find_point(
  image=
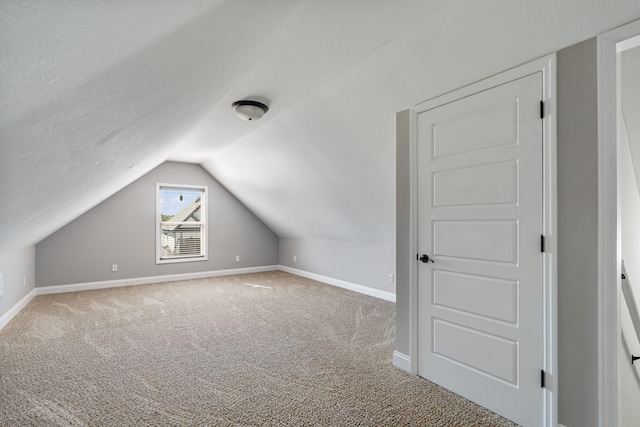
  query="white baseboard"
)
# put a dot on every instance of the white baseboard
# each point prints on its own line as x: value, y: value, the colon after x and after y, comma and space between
x: 46, y: 290
x: 388, y: 296
x: 13, y: 311
x: 402, y: 361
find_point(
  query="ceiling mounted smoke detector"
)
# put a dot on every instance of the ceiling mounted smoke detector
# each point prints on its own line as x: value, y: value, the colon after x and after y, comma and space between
x: 249, y: 110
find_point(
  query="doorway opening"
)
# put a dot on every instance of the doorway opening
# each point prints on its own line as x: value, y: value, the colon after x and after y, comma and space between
x: 614, y: 156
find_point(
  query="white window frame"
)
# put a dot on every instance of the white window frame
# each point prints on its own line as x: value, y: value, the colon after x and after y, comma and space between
x: 203, y: 220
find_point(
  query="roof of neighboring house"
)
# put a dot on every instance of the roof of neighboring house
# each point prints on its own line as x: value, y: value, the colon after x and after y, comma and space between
x: 187, y: 214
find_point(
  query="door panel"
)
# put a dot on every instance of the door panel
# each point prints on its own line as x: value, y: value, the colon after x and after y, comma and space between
x: 476, y: 295
x: 480, y: 305
x: 490, y: 355
x: 488, y: 184
x: 449, y: 136
x: 495, y: 241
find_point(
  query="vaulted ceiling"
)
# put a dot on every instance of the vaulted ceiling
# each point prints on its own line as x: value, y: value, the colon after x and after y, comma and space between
x: 95, y: 94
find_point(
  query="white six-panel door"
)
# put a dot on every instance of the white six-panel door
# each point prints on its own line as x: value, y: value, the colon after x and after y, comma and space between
x: 480, y: 211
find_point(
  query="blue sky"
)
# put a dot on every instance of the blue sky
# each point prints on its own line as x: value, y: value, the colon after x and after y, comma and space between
x: 170, y: 199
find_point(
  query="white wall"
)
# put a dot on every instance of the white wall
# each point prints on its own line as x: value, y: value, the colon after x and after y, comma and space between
x: 630, y: 236
x: 18, y: 270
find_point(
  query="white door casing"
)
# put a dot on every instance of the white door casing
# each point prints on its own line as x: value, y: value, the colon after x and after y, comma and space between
x: 481, y: 304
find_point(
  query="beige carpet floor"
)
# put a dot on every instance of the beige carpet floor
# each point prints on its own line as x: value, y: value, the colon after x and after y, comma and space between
x: 247, y: 350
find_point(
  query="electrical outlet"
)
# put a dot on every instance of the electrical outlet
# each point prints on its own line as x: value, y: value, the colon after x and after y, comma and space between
x: 392, y: 278
x: 237, y: 258
x: 1, y: 285
x: 295, y: 258
x: 114, y: 267
x: 24, y: 280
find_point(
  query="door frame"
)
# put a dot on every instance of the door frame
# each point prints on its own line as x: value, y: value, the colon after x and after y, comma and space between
x: 609, y: 46
x: 546, y: 65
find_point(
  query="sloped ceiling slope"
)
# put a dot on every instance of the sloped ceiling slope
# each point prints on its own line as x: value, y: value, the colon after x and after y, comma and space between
x: 95, y: 94
x: 324, y: 168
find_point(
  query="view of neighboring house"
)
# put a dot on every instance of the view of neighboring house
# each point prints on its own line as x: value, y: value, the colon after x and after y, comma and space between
x: 182, y: 232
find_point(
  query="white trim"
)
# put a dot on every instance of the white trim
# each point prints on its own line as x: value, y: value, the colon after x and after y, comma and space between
x: 550, y: 227
x: 413, y: 235
x: 512, y: 74
x: 366, y: 290
x: 629, y: 43
x: 13, y: 311
x: 546, y: 65
x: 105, y: 284
x: 46, y: 290
x: 401, y: 361
x: 609, y: 45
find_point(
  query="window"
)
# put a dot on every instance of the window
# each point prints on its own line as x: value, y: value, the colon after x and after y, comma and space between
x: 181, y: 221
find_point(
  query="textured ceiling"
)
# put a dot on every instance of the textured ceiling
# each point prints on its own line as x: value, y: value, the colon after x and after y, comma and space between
x: 94, y: 94
x: 630, y: 100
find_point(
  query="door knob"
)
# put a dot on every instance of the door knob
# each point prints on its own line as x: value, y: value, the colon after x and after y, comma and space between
x: 425, y: 258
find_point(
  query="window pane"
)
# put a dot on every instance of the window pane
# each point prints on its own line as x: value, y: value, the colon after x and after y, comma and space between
x: 181, y: 240
x: 182, y: 227
x: 180, y: 205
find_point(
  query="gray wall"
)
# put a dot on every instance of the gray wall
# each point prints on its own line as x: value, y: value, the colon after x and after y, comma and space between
x: 403, y: 232
x: 15, y: 266
x: 121, y: 230
x: 366, y: 265
x: 578, y: 235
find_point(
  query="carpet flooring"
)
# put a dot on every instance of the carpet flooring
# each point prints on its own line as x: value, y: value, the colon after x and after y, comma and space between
x: 247, y: 350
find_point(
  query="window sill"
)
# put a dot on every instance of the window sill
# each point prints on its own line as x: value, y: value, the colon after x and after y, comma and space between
x: 178, y: 260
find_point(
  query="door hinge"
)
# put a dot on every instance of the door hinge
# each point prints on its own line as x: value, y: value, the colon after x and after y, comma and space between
x: 542, y: 243
x: 542, y: 109
x: 623, y: 276
x: 542, y: 379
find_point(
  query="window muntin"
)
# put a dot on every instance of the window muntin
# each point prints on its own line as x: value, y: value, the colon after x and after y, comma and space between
x: 181, y: 223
